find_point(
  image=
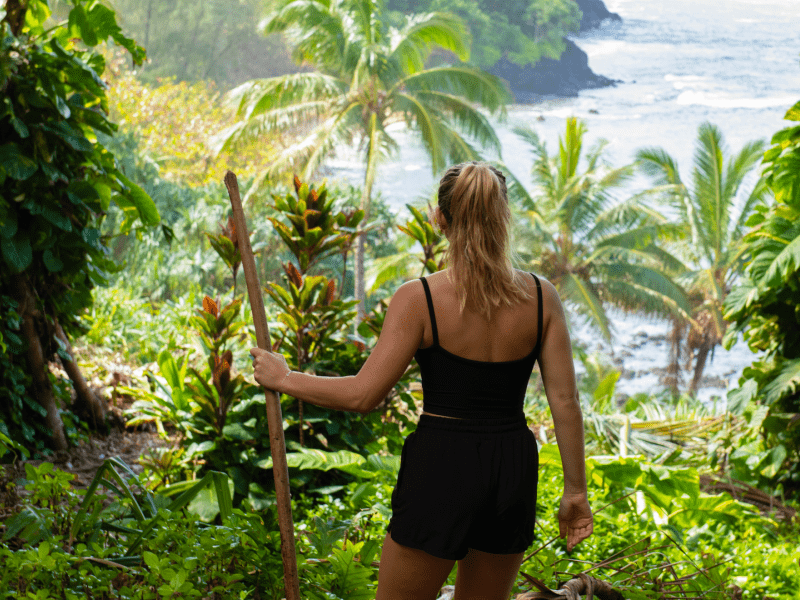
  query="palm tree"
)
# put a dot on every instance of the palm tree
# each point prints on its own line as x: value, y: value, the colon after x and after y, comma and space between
x: 708, y: 232
x: 368, y: 76
x: 597, y: 251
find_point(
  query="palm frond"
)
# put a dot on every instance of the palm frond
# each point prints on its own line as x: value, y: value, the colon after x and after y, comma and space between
x: 639, y: 287
x: 657, y: 164
x: 262, y: 95
x: 569, y: 149
x: 464, y: 116
x: 308, y: 153
x: 464, y: 81
x: 324, y: 43
x: 396, y: 266
x: 274, y: 120
x: 623, y: 216
x: 335, y: 131
x: 426, y: 122
x: 740, y: 165
x: 517, y: 193
x: 541, y: 169
x: 708, y: 188
x: 411, y: 45
x: 614, y: 177
x: 580, y: 294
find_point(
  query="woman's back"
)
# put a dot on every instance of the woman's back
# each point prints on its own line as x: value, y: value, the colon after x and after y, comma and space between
x: 510, y: 335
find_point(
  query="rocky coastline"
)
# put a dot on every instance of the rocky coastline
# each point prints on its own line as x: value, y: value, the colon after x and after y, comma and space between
x: 560, y: 78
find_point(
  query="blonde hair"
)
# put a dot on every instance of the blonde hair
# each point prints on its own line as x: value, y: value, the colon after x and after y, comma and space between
x: 473, y: 198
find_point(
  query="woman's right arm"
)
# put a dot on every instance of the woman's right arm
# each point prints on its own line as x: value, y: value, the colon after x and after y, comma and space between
x: 558, y: 376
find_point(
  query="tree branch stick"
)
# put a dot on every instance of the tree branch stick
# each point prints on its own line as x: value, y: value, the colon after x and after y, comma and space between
x: 277, y: 443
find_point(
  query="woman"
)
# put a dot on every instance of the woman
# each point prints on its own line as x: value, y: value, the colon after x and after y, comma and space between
x: 466, y: 490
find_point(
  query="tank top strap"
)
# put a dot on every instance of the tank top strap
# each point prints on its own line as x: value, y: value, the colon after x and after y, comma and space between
x: 430, y: 310
x: 540, y: 316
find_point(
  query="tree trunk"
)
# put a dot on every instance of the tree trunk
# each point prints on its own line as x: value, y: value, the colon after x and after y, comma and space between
x: 369, y: 179
x: 42, y: 389
x: 699, y: 366
x: 359, y: 275
x: 86, y: 402
x: 673, y: 376
x: 15, y: 15
x: 147, y: 25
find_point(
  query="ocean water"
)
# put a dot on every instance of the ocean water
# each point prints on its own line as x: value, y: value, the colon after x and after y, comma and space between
x: 735, y: 63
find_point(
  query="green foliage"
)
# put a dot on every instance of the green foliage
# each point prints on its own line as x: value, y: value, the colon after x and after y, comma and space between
x: 139, y: 545
x: 596, y: 250
x: 56, y: 183
x: 764, y: 308
x: 20, y: 416
x: 136, y: 514
x: 660, y: 535
x: 314, y: 231
x: 220, y: 36
x: 171, y: 122
x: 707, y: 267
x: 524, y: 31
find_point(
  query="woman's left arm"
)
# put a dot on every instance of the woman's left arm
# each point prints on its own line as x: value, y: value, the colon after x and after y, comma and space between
x: 400, y: 337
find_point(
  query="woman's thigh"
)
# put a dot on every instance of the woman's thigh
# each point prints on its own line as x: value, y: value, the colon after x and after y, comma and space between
x: 410, y: 574
x: 485, y: 576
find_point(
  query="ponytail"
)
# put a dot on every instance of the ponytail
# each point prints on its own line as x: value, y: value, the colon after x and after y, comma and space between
x: 473, y: 199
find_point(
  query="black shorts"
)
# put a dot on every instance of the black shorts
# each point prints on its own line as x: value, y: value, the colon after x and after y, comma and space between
x: 468, y: 483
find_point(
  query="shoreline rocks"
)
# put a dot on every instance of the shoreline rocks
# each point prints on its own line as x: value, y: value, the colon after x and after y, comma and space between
x: 594, y: 13
x: 564, y: 77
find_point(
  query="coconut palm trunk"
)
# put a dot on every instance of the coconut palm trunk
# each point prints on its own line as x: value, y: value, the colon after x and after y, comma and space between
x: 366, y: 197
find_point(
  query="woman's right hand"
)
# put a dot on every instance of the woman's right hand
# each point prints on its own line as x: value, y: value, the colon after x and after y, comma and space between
x: 575, y: 520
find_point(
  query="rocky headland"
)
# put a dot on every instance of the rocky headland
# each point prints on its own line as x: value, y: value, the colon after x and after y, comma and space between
x: 563, y: 77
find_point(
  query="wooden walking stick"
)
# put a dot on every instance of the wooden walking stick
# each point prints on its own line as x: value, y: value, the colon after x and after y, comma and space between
x: 277, y: 443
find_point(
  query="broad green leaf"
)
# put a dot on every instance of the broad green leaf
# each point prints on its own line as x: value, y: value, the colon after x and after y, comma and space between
x: 144, y: 204
x: 787, y: 382
x: 72, y: 136
x: 17, y: 252
x: 15, y: 164
x: 78, y: 22
x: 151, y: 560
x: 793, y: 114
x: 8, y: 223
x: 52, y: 262
x: 50, y: 213
x: 237, y: 431
x: 212, y: 498
x: 785, y: 264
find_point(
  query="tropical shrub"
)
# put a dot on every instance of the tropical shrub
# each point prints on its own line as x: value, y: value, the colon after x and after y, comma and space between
x: 172, y: 122
x: 219, y: 415
x: 764, y: 308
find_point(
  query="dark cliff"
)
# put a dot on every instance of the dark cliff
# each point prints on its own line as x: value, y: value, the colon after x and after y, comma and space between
x: 564, y: 77
x: 594, y: 13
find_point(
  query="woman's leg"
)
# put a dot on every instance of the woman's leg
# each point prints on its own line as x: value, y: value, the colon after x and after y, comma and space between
x: 410, y: 574
x: 485, y: 576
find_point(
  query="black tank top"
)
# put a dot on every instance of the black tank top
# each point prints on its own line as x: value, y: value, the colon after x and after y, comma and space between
x: 453, y: 386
